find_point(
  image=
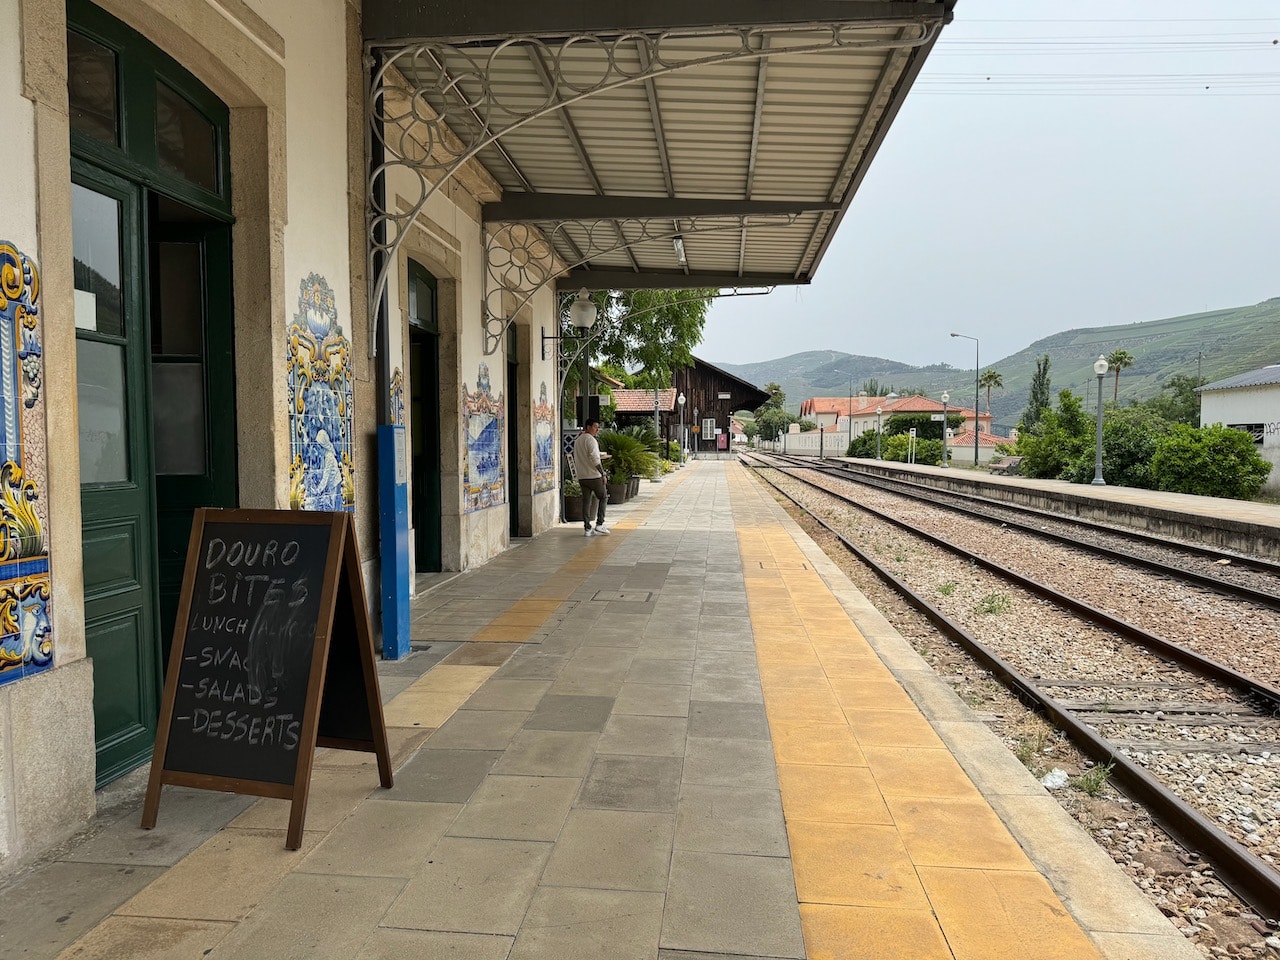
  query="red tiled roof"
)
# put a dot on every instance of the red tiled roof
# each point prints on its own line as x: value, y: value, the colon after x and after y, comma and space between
x: 641, y: 401
x: 964, y: 438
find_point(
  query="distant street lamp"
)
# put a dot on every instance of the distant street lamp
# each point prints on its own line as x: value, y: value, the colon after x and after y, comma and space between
x: 879, y: 410
x: 946, y: 397
x: 976, y: 421
x: 683, y: 444
x: 1099, y: 368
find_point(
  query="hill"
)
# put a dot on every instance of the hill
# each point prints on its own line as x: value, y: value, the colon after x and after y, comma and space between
x: 1218, y: 343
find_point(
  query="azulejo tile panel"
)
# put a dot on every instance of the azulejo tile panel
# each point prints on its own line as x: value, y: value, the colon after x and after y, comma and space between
x: 26, y: 635
x: 321, y: 411
x: 397, y: 397
x: 544, y: 442
x: 483, y: 421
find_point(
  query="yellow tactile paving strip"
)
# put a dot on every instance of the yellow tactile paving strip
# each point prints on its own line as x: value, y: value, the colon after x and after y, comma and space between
x: 894, y: 850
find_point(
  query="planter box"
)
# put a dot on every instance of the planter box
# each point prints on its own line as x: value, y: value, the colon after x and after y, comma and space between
x: 617, y: 492
x: 633, y: 487
x: 573, y: 508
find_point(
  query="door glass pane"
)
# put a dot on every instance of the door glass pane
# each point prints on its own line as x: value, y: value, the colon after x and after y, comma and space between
x: 95, y: 244
x: 186, y: 143
x: 104, y: 437
x: 91, y: 89
x: 177, y: 324
x: 177, y: 398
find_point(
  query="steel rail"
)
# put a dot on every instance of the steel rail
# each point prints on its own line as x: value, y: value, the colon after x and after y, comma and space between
x: 1259, y: 564
x: 1166, y: 649
x: 916, y: 492
x: 1253, y: 880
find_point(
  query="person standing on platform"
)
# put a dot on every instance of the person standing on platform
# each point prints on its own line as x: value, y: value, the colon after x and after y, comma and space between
x: 589, y: 462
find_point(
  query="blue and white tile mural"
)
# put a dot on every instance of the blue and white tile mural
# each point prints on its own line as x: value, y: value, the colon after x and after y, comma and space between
x: 321, y: 411
x: 483, y: 422
x: 544, y: 443
x: 26, y: 636
x: 397, y: 397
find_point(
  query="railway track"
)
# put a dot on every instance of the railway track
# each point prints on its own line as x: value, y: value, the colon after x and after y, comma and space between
x: 1151, y: 709
x: 1256, y: 579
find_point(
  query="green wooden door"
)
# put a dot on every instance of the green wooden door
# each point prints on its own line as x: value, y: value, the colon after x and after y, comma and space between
x: 117, y: 508
x: 424, y: 413
x: 192, y: 383
x: 151, y: 212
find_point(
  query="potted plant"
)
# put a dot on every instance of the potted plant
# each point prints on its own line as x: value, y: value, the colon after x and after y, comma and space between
x: 619, y: 476
x: 572, y: 491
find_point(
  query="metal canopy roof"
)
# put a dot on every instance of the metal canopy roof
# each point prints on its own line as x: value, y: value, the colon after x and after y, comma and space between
x: 653, y: 145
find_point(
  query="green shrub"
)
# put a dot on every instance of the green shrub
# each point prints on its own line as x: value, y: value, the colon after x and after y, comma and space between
x: 927, y: 451
x: 645, y: 434
x: 863, y: 446
x: 1214, y: 461
x: 571, y: 488
x: 627, y: 455
x: 1129, y: 438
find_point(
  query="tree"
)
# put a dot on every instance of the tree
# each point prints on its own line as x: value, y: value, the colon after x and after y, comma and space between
x: 990, y: 378
x: 1119, y: 360
x: 1178, y: 400
x: 1038, y: 399
x: 777, y: 399
x: 773, y: 421
x: 650, y: 331
x: 1059, y: 438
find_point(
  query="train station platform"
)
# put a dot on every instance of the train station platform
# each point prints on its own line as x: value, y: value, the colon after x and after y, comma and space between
x: 690, y: 740
x: 1243, y: 526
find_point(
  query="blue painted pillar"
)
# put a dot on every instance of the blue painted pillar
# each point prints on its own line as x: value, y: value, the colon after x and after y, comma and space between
x: 393, y: 507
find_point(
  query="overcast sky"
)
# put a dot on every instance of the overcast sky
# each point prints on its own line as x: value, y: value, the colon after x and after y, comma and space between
x: 1062, y: 192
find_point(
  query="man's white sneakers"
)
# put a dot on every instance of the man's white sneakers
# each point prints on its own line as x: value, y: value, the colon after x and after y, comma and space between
x: 602, y: 531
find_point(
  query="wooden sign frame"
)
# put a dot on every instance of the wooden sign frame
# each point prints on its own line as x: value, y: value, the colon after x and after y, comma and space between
x: 341, y: 583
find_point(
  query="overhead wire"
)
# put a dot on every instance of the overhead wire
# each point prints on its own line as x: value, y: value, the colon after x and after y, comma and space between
x: 1094, y: 83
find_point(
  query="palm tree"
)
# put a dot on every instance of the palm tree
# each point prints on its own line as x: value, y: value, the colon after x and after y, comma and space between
x: 990, y: 378
x: 1119, y: 360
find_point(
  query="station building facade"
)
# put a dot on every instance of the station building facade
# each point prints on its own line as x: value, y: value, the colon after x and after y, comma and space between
x: 185, y: 324
x: 226, y: 258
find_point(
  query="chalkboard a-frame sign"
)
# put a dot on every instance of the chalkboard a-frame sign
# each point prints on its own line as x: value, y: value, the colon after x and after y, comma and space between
x: 272, y: 656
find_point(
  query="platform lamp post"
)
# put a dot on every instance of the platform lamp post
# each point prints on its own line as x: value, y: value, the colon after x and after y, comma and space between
x: 680, y: 402
x: 879, y: 411
x: 945, y: 398
x: 976, y: 365
x: 1099, y: 368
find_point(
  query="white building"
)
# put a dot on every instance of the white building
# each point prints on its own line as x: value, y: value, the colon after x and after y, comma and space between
x: 1249, y: 402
